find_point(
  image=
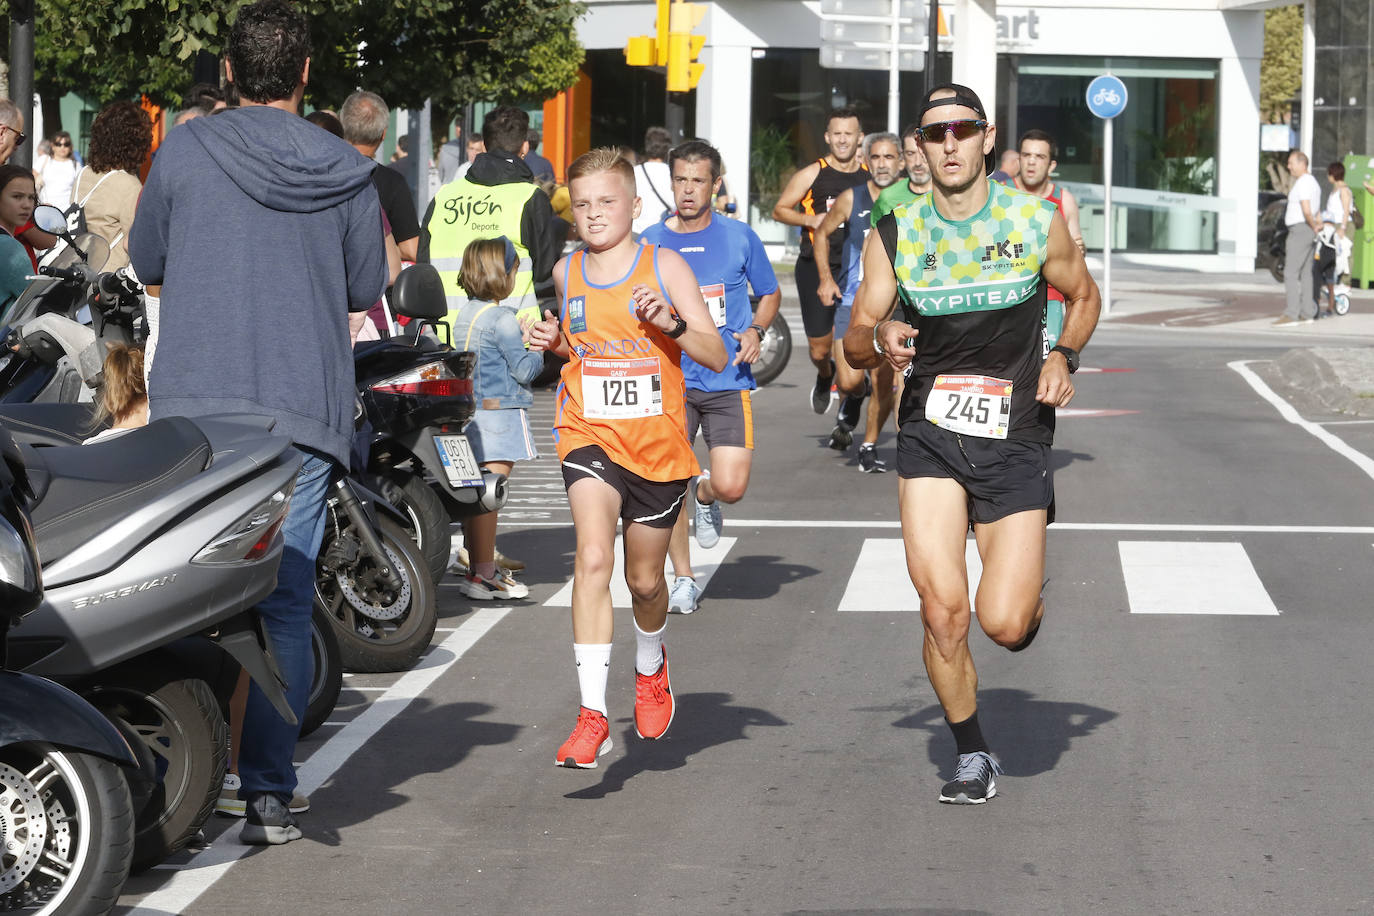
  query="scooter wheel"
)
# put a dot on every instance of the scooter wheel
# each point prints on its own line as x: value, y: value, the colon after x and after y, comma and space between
x: 774, y: 351
x: 379, y: 629
x: 1342, y: 303
x: 427, y: 519
x: 76, y: 807
x: 328, y: 679
x: 184, y: 735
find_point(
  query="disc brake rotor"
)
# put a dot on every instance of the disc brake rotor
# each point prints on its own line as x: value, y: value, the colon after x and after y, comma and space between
x: 23, y: 828
x: 370, y: 602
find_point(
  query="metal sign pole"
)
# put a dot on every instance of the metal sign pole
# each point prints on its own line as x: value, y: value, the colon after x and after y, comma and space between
x: 1107, y: 215
x: 894, y: 68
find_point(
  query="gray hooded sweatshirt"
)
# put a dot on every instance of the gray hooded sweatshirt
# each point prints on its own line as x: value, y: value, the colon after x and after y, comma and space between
x: 264, y: 232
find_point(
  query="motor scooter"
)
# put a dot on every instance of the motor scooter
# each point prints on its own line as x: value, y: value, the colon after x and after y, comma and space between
x: 67, y: 821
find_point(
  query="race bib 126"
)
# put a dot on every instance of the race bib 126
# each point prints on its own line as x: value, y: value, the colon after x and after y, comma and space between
x: 621, y: 389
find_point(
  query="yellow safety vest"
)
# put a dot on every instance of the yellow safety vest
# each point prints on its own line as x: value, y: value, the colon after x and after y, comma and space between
x: 465, y: 211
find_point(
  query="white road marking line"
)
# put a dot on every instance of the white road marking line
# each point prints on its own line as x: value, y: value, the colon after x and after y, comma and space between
x: 704, y: 564
x: 880, y: 582
x: 1343, y: 422
x: 198, y: 875
x: 1360, y: 459
x: 822, y: 524
x: 1191, y: 577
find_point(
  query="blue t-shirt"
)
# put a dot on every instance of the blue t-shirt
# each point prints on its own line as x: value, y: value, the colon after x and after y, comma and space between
x: 727, y: 258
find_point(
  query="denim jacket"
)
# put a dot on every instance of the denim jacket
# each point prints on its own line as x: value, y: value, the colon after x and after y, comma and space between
x: 504, y: 367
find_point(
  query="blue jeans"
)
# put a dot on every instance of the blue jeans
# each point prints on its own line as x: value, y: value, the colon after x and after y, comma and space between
x: 268, y: 745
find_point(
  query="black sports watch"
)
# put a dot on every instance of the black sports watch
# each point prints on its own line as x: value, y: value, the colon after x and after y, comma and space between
x: 756, y: 329
x: 1070, y: 357
x: 681, y: 328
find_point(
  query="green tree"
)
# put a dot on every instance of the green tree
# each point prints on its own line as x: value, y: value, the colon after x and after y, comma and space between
x: 1281, y: 66
x: 453, y: 51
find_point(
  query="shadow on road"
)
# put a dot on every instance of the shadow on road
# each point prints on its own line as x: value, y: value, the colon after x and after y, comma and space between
x: 1027, y: 735
x: 702, y: 720
x: 457, y: 726
x: 1061, y: 458
x: 755, y: 577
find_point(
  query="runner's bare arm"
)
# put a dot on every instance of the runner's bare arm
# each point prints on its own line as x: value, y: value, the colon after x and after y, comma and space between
x: 785, y: 211
x: 547, y: 335
x: 872, y: 304
x: 750, y: 340
x: 829, y: 290
x: 701, y: 340
x: 1067, y: 272
x: 1070, y: 209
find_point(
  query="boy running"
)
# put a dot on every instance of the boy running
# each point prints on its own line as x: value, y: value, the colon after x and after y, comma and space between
x: 727, y: 258
x: 628, y: 313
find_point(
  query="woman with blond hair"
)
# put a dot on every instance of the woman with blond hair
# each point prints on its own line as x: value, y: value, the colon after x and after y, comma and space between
x: 123, y: 400
x: 500, y: 431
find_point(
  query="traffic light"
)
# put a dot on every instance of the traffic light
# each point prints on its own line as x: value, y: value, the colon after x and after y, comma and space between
x: 683, y: 47
x: 651, y: 50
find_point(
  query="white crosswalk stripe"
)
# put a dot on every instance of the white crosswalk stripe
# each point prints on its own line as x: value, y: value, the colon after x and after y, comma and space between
x: 704, y: 564
x: 1160, y: 577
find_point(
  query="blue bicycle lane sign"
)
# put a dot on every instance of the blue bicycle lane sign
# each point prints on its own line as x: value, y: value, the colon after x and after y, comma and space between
x: 1106, y: 96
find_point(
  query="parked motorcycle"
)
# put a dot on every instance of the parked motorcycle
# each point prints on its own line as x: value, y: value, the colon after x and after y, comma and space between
x: 66, y: 816
x: 164, y: 534
x: 416, y: 395
x: 774, y: 350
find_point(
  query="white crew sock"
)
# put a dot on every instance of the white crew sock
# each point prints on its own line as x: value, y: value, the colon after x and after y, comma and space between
x: 649, y: 651
x: 593, y: 668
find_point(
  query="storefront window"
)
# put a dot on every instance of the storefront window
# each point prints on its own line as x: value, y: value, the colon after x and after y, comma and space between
x: 1164, y: 144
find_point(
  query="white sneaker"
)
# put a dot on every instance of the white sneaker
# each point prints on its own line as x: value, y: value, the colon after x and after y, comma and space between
x: 684, y: 595
x: 500, y: 587
x: 708, y: 520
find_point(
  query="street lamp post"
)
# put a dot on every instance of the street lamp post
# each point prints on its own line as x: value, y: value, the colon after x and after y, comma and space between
x: 21, y: 72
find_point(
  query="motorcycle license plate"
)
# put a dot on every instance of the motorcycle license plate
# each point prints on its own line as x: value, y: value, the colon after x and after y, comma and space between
x: 459, y: 463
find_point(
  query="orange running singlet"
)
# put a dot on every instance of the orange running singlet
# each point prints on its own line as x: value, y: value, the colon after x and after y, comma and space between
x: 622, y: 388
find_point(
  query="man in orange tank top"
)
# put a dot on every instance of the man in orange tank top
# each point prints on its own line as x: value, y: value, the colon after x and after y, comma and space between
x: 628, y: 313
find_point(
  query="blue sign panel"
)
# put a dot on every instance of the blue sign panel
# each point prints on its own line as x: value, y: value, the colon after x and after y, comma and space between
x: 1106, y: 96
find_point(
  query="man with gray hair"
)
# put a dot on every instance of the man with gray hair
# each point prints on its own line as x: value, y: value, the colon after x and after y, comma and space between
x: 1303, y: 220
x: 11, y: 129
x: 365, y: 118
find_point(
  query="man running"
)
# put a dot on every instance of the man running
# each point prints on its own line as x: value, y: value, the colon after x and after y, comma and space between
x: 1038, y: 162
x: 728, y: 259
x: 628, y: 313
x: 969, y: 263
x: 917, y: 178
x: 851, y: 210
x: 814, y: 189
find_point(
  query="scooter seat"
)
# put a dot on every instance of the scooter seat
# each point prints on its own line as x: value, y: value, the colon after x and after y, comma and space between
x: 83, y: 490
x: 49, y: 424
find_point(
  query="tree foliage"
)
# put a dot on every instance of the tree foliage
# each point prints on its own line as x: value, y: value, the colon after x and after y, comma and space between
x: 1281, y: 66
x: 453, y: 51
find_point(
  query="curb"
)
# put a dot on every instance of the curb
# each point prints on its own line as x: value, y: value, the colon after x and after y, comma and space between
x: 1310, y: 377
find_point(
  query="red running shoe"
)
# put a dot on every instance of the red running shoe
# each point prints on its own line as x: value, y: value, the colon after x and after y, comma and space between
x: 654, y: 706
x: 590, y: 739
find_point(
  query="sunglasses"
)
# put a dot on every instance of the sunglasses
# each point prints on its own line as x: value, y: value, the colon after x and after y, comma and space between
x: 62, y: 143
x: 19, y: 135
x: 962, y: 130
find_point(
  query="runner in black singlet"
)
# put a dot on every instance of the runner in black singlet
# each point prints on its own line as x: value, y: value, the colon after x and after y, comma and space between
x: 814, y: 188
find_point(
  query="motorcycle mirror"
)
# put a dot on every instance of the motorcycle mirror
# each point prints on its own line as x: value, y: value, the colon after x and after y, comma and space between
x: 419, y: 293
x: 51, y: 220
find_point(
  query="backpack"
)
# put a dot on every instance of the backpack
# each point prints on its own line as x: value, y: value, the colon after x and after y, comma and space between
x: 76, y: 213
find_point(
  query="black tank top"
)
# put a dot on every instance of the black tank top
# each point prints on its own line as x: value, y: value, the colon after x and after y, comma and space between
x: 830, y: 183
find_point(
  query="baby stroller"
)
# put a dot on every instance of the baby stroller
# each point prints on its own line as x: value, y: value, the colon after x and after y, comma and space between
x: 1331, y: 254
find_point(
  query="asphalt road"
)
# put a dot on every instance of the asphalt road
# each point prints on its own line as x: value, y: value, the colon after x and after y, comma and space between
x: 1188, y: 734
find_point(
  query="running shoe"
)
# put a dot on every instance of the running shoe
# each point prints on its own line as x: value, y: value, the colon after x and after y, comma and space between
x: 500, y: 587
x: 654, y: 706
x: 841, y: 437
x: 590, y: 739
x: 269, y: 823
x: 461, y: 561
x: 683, y: 596
x: 973, y: 782
x: 709, y: 521
x: 869, y: 462
x: 233, y: 803
x: 820, y: 392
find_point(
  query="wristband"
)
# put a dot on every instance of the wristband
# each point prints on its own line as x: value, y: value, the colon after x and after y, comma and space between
x: 877, y: 346
x: 678, y: 330
x: 757, y: 330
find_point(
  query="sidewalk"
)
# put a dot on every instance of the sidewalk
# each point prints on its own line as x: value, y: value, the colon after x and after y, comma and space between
x: 1338, y: 377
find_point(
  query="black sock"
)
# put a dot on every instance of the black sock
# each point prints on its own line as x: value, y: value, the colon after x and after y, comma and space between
x: 967, y: 735
x: 1027, y: 639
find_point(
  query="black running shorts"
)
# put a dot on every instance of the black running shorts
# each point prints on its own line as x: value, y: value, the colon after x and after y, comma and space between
x: 647, y: 502
x: 818, y: 320
x: 725, y: 417
x: 1000, y: 476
